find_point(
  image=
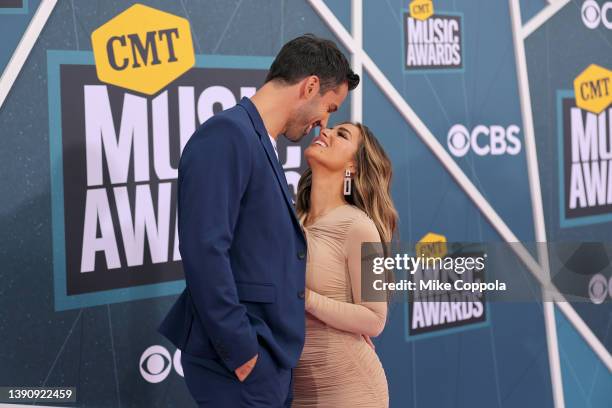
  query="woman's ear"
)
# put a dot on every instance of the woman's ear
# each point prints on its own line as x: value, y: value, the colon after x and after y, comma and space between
x: 352, y: 168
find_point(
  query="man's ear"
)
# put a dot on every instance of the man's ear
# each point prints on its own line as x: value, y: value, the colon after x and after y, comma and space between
x: 310, y: 86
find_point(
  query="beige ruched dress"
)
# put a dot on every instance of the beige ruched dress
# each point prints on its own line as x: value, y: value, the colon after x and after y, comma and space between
x: 337, y: 367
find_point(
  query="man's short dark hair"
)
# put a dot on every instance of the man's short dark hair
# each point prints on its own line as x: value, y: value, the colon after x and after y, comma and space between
x: 310, y: 55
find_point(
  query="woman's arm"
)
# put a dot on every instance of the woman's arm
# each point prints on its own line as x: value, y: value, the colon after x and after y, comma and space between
x: 366, y: 318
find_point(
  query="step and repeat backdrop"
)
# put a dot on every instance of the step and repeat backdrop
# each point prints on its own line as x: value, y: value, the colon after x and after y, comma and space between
x: 93, y: 126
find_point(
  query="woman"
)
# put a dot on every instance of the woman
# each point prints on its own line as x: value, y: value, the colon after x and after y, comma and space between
x: 343, y: 200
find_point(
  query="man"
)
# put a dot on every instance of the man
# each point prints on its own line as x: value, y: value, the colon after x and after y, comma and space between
x: 240, y: 321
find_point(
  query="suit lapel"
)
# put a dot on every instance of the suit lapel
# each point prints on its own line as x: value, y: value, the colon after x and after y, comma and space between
x: 264, y: 138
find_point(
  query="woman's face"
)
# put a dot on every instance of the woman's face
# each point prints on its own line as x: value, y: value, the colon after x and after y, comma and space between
x: 334, y: 149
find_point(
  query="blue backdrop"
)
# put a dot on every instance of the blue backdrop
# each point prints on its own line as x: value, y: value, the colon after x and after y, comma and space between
x: 104, y: 342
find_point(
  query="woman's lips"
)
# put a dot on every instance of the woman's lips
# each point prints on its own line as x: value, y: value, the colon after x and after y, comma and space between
x: 318, y: 141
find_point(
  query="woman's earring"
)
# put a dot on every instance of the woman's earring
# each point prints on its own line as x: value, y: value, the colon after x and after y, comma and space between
x: 347, y: 183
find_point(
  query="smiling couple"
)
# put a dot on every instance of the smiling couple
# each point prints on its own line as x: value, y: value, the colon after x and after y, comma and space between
x: 272, y: 314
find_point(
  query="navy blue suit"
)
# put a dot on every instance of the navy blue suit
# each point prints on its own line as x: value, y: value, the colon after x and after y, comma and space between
x: 244, y: 256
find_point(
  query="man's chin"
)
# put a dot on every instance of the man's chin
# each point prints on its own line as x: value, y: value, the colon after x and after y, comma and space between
x: 295, y: 137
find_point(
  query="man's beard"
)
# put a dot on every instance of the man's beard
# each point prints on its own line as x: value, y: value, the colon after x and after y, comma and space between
x: 297, y: 133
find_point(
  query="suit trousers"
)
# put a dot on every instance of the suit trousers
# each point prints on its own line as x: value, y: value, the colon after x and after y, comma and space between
x: 212, y: 385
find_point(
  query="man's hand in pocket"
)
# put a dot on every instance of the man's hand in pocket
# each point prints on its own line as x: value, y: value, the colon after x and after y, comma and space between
x: 244, y: 370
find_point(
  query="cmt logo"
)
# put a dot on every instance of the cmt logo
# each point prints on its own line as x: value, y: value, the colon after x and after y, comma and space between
x: 484, y: 140
x: 593, y: 14
x: 156, y: 363
x: 593, y: 88
x: 431, y: 245
x: 143, y: 49
x: 421, y: 9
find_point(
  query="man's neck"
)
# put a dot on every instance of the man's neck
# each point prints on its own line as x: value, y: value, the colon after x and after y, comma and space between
x: 270, y: 101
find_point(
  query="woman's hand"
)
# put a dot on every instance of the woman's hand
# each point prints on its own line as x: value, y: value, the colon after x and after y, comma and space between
x: 307, y: 299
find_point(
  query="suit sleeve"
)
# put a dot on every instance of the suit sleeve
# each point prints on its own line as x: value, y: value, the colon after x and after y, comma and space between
x: 214, y: 171
x: 359, y: 317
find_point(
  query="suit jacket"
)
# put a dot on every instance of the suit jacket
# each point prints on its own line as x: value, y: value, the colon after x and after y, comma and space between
x: 242, y: 247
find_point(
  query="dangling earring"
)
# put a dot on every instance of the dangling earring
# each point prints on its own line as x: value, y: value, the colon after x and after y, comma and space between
x: 347, y: 183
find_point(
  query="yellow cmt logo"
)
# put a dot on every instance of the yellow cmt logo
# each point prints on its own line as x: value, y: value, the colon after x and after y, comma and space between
x: 143, y: 49
x: 593, y: 88
x: 421, y: 9
x: 431, y: 245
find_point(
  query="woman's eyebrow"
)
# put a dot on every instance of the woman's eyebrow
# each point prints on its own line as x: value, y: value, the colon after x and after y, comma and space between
x: 346, y: 130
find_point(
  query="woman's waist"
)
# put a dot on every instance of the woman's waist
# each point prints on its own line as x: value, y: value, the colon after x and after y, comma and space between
x: 325, y: 343
x: 318, y: 328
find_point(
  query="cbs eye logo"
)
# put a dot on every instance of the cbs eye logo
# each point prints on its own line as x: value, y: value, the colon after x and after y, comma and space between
x: 593, y: 14
x: 156, y: 363
x: 484, y: 140
x: 599, y: 288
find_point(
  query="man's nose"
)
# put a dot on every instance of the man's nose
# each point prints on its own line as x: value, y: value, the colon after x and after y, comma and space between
x: 324, y: 122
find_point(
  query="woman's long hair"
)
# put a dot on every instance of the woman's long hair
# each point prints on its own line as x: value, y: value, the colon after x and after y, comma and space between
x: 371, y: 190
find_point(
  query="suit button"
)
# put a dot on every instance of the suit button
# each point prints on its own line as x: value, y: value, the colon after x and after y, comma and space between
x: 301, y: 294
x: 301, y: 255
